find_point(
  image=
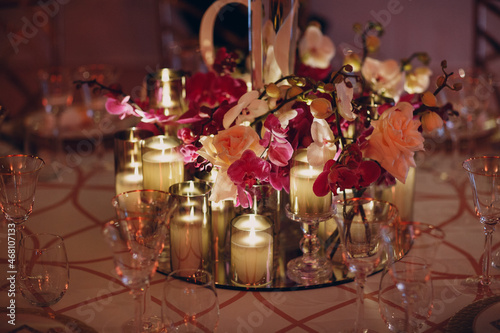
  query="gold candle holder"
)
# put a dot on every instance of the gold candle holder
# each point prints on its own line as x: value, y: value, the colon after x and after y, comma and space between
x: 251, y: 250
x: 128, y: 163
x: 162, y: 163
x: 191, y: 227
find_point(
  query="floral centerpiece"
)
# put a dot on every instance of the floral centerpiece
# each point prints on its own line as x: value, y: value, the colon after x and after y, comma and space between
x: 362, y: 123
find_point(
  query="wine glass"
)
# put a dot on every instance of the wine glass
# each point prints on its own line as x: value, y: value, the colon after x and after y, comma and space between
x: 18, y: 179
x: 361, y: 223
x: 144, y: 213
x: 406, y: 291
x: 43, y: 269
x: 484, y: 177
x: 189, y: 301
x: 310, y: 210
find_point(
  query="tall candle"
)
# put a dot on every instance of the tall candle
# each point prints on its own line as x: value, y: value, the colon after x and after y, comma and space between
x: 186, y: 241
x: 128, y: 181
x: 251, y: 250
x: 190, y: 226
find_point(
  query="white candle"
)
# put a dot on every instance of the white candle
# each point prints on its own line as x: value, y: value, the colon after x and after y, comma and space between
x: 302, y: 197
x: 187, y: 240
x: 251, y: 250
x: 128, y: 181
x: 161, y: 169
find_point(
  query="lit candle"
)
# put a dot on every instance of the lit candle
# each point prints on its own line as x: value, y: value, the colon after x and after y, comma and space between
x: 162, y: 166
x: 302, y: 197
x: 190, y: 227
x: 128, y: 181
x: 251, y: 250
x: 186, y: 240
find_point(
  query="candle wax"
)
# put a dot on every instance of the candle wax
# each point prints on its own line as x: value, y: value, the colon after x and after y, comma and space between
x: 161, y: 170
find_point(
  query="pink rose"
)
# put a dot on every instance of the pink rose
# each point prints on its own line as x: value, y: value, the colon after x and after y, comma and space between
x: 228, y: 145
x: 394, y: 140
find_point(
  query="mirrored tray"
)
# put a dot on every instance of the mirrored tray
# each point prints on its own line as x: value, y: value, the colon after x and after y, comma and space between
x: 288, y: 248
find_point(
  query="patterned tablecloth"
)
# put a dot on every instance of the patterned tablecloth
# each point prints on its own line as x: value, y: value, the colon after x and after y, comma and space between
x: 77, y: 203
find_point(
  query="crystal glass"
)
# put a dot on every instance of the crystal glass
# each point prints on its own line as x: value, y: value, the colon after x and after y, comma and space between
x: 43, y: 272
x: 137, y: 238
x: 309, y: 210
x: 361, y: 223
x: 189, y: 302
x: 18, y: 179
x: 484, y: 177
x: 406, y: 290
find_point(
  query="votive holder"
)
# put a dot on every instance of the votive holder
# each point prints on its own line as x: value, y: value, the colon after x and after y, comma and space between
x: 191, y: 227
x: 162, y: 163
x: 251, y: 250
x: 127, y: 155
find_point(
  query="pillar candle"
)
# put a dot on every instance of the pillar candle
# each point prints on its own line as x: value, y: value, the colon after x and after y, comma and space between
x: 251, y: 250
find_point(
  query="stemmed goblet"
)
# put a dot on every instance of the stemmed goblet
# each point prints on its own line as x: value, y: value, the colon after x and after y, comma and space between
x: 137, y: 238
x: 361, y: 223
x: 484, y: 177
x: 309, y: 210
x: 406, y: 290
x: 18, y: 180
x: 43, y: 272
x: 189, y: 301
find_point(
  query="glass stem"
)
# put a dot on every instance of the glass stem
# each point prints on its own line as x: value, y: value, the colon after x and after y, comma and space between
x: 360, y: 302
x: 309, y: 244
x: 139, y: 296
x: 488, y: 233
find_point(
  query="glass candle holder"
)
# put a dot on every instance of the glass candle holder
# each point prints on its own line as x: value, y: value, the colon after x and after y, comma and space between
x: 303, y: 201
x: 162, y: 163
x: 251, y: 250
x: 166, y: 89
x: 191, y: 227
x: 128, y: 163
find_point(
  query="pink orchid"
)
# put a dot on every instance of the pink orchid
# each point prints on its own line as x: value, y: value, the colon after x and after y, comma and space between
x: 120, y: 107
x: 245, y: 172
x: 344, y: 98
x: 280, y: 150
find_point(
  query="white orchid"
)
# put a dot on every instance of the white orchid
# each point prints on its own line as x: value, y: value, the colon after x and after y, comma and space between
x: 315, y: 49
x: 418, y: 80
x: 385, y: 77
x: 344, y: 98
x: 323, y: 148
x: 248, y: 108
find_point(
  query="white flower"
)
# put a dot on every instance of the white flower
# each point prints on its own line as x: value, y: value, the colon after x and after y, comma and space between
x: 385, y: 77
x: 323, y: 148
x: 418, y: 80
x: 248, y: 108
x: 344, y: 98
x: 315, y: 49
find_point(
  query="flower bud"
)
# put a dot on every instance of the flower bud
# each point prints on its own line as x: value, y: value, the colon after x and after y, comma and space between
x: 457, y: 86
x: 372, y: 43
x: 431, y: 121
x: 273, y: 91
x: 329, y: 87
x: 429, y: 99
x: 293, y: 91
x: 321, y: 108
x: 440, y: 81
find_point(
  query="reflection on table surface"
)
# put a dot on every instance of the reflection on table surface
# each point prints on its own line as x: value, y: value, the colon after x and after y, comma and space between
x: 77, y: 203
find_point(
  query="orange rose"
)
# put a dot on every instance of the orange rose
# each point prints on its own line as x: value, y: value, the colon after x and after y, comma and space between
x: 394, y: 140
x: 228, y: 145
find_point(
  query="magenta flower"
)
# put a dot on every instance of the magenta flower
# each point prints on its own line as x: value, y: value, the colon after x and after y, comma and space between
x: 245, y: 172
x: 280, y: 150
x: 120, y: 107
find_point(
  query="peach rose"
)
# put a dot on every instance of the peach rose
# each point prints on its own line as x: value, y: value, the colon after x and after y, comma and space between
x: 228, y: 145
x: 394, y: 140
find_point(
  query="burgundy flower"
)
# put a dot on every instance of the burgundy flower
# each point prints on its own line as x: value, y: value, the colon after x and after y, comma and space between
x: 245, y: 172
